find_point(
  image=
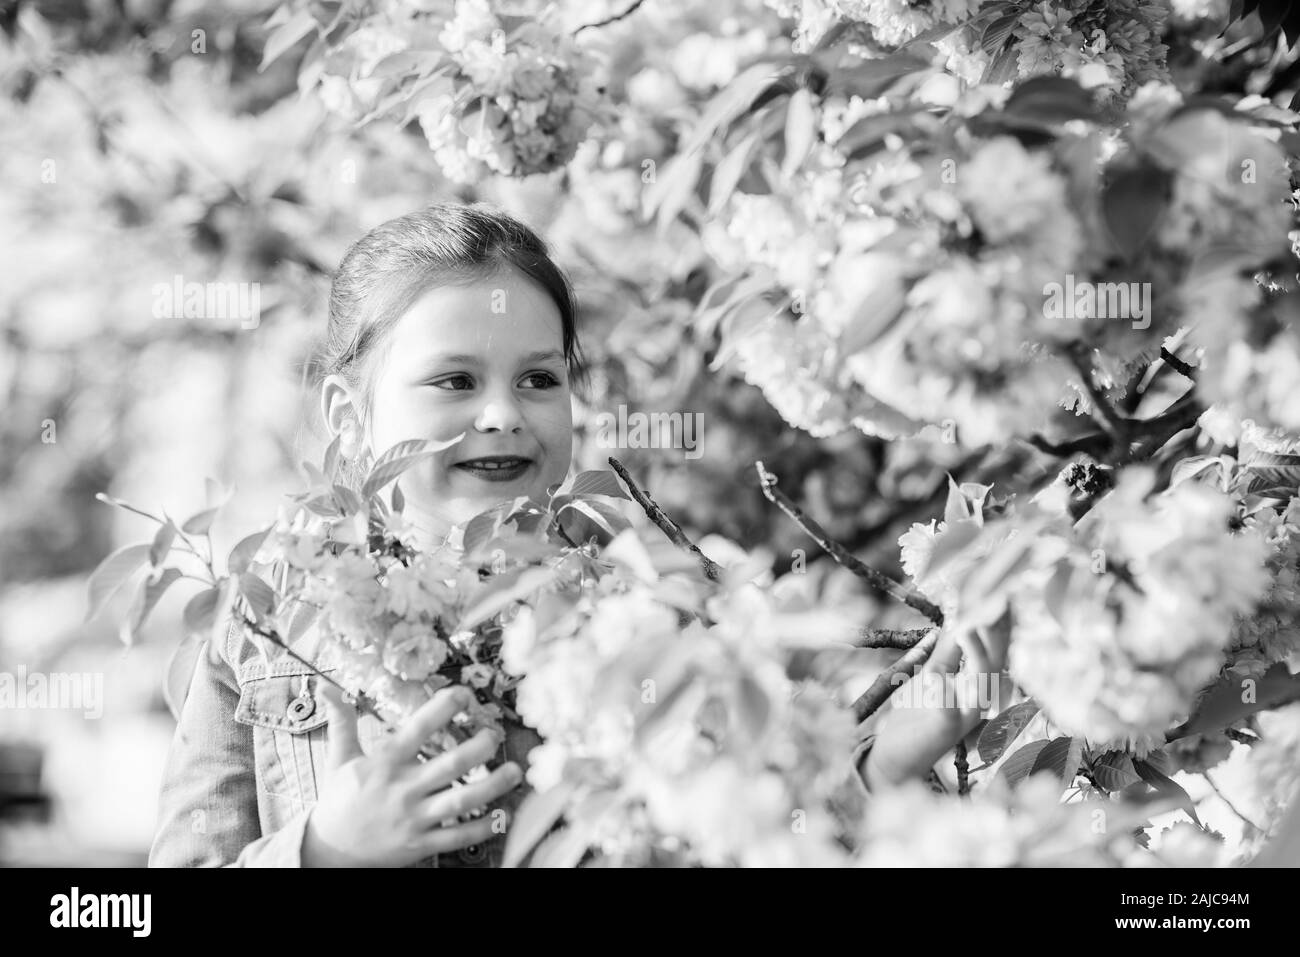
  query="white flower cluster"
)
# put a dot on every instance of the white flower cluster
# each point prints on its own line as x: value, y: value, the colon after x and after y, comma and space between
x: 1151, y: 592
x: 692, y: 738
x: 521, y: 102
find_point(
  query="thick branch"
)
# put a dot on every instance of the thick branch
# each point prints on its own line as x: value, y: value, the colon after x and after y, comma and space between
x: 666, y: 524
x: 1177, y: 364
x: 891, y: 638
x: 880, y: 690
x: 767, y: 481
x: 963, y: 768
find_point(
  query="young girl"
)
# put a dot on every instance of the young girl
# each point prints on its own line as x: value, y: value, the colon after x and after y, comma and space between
x: 451, y: 321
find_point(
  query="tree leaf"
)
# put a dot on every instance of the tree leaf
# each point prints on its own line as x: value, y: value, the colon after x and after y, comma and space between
x: 870, y: 78
x: 110, y: 574
x: 1114, y: 771
x: 1050, y: 100
x: 1133, y: 203
x: 737, y: 97
x: 200, y: 522
x: 200, y: 611
x: 754, y: 706
x: 598, y: 482
x: 502, y: 592
x: 952, y: 542
x: 1167, y: 787
x: 1003, y: 729
x: 672, y: 188
x: 241, y: 556
x: 800, y: 130
x: 1021, y: 764
x: 146, y: 597
x: 728, y: 172
x: 1222, y: 705
x: 535, y: 817
x: 260, y: 596
x: 1061, y: 756
x: 286, y: 37
x: 180, y: 673
x: 997, y: 32
x: 162, y: 543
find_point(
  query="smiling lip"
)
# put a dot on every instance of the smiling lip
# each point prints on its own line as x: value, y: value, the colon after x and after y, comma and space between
x: 496, y: 468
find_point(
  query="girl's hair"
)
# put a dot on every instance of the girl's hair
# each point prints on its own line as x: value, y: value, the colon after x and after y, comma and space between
x: 387, y: 270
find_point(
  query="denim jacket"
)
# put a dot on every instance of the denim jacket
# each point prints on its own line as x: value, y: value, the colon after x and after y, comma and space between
x: 248, y: 759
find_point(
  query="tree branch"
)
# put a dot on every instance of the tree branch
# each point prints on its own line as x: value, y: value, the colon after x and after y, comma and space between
x: 870, y: 700
x: 891, y: 638
x: 878, y: 580
x: 670, y: 528
x: 608, y: 20
x: 1177, y: 364
x: 963, y: 768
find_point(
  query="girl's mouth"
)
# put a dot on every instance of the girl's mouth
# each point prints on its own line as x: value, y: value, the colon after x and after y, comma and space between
x: 496, y: 468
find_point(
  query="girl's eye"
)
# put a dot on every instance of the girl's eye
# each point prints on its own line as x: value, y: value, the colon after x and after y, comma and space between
x: 455, y: 383
x: 541, y: 380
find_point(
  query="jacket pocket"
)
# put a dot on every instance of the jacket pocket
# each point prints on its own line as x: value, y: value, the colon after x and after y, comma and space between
x: 289, y: 725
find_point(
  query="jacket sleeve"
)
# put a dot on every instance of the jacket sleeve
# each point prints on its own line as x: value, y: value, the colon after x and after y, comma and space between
x: 208, y: 812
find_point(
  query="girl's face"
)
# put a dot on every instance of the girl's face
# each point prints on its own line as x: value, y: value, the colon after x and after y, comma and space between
x: 484, y: 359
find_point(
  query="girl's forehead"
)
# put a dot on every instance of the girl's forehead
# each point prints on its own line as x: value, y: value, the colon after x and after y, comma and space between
x: 498, y: 315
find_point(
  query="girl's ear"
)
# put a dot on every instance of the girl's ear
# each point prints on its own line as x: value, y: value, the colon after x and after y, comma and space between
x: 342, y: 415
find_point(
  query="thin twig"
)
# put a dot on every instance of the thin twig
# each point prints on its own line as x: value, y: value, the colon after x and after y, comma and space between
x: 963, y: 768
x: 670, y: 528
x: 767, y: 481
x: 875, y: 696
x: 608, y: 20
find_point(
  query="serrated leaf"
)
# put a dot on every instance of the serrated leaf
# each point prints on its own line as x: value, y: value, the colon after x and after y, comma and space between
x: 200, y: 611
x: 348, y: 501
x: 1114, y: 771
x: 1003, y: 729
x: 870, y: 78
x: 1167, y: 787
x: 110, y: 574
x: 241, y: 556
x: 597, y: 482
x: 331, y: 462
x: 146, y: 597
x: 1061, y: 757
x: 536, y: 815
x: 997, y: 32
x: 592, y: 511
x: 162, y: 543
x: 1019, y: 766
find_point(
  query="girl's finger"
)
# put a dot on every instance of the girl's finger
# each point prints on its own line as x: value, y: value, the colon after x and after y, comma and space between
x: 343, y: 743
x: 450, y: 803
x: 442, y: 840
x: 435, y: 713
x: 946, y: 655
x: 440, y: 771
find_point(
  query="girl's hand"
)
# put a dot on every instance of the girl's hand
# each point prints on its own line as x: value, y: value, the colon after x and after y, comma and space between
x: 386, y: 809
x: 911, y: 738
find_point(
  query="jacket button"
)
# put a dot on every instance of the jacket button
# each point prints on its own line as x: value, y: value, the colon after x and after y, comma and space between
x: 302, y: 707
x: 474, y: 854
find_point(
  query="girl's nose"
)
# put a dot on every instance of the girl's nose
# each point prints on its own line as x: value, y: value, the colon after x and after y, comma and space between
x: 499, y: 414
